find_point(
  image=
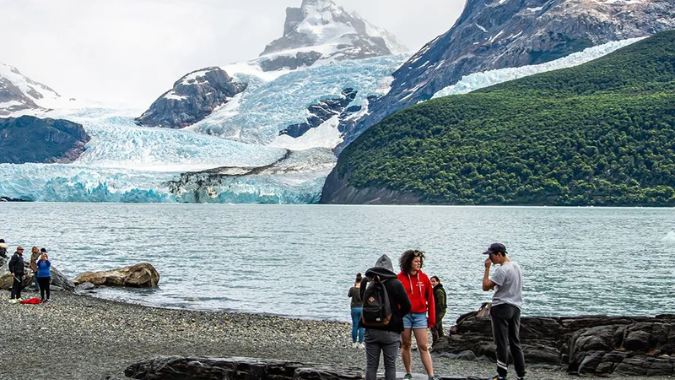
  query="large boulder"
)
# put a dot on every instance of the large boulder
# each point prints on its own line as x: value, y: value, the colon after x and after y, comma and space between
x: 587, y: 345
x: 142, y: 275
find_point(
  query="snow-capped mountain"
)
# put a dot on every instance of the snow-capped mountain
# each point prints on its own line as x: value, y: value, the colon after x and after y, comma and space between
x: 20, y: 93
x: 497, y: 34
x: 322, y: 30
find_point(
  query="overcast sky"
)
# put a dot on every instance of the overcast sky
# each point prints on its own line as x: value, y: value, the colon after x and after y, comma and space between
x: 133, y: 50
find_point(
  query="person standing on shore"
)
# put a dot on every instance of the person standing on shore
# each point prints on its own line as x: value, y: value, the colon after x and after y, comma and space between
x: 34, y: 256
x: 387, y: 338
x: 44, y: 275
x: 357, y: 308
x: 17, y: 272
x: 3, y: 248
x: 422, y: 314
x: 507, y: 300
x: 441, y: 306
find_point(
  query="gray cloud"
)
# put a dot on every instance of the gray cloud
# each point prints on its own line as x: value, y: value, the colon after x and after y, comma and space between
x: 133, y: 50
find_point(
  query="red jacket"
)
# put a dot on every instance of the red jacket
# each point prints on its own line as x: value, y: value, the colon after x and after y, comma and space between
x: 421, y: 294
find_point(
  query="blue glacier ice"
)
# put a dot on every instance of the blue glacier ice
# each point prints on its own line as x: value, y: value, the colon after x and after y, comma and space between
x: 266, y: 107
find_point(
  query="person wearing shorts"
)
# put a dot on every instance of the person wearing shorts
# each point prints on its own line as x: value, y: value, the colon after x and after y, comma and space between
x: 422, y: 313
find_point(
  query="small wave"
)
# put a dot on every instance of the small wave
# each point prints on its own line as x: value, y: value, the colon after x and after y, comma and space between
x: 670, y: 237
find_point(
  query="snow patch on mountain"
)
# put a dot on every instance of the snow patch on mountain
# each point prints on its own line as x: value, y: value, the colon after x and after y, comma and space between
x: 18, y: 92
x: 475, y: 81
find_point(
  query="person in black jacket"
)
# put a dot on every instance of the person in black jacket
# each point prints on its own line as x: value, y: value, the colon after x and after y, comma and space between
x: 385, y: 339
x: 17, y: 271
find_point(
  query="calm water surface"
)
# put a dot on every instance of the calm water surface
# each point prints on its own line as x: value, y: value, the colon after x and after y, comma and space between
x: 300, y: 260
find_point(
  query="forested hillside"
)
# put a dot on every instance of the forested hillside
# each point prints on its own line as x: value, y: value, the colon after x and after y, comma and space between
x: 602, y: 133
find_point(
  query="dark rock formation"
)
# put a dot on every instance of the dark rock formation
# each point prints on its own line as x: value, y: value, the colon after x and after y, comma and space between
x: 511, y: 33
x: 192, y: 98
x: 337, y: 190
x: 30, y: 139
x: 193, y: 368
x: 142, y: 275
x: 323, y: 111
x: 58, y: 279
x: 8, y: 199
x: 356, y: 43
x: 291, y: 62
x: 586, y: 345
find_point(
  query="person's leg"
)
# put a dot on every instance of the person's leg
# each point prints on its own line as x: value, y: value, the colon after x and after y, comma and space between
x: 356, y: 314
x: 390, y: 351
x: 422, y: 338
x: 361, y: 332
x: 514, y: 342
x: 500, y: 333
x: 373, y: 348
x: 406, y: 349
x: 439, y: 324
x: 36, y: 283
x: 17, y: 287
x: 48, y: 281
x: 434, y: 334
x: 42, y: 288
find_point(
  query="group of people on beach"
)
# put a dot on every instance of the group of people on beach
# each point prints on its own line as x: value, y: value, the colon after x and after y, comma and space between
x: 40, y: 267
x: 418, y: 302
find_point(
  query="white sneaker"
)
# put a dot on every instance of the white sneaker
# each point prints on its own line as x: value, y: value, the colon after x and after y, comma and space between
x: 355, y: 345
x: 361, y: 345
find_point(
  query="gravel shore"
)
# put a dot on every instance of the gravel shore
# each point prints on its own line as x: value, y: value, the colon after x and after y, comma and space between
x: 82, y: 337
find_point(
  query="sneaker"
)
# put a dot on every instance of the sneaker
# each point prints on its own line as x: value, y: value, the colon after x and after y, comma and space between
x: 433, y: 377
x: 355, y: 345
x: 361, y: 345
x: 497, y: 377
x: 13, y: 300
x: 407, y: 376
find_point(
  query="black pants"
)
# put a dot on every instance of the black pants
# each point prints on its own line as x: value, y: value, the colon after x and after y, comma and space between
x: 506, y: 331
x: 44, y: 286
x: 16, y: 287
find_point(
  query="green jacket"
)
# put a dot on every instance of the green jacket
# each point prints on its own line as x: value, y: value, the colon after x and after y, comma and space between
x: 441, y: 298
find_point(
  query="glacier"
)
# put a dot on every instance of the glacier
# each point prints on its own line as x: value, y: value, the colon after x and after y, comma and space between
x: 269, y: 106
x: 476, y: 81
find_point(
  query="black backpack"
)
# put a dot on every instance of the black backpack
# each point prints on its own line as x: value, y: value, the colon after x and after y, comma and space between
x: 3, y: 252
x: 376, y: 304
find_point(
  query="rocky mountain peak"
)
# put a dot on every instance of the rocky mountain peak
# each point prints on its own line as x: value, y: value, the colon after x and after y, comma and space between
x: 320, y: 29
x: 20, y: 93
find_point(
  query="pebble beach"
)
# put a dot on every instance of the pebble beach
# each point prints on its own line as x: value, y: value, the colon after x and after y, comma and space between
x: 83, y: 337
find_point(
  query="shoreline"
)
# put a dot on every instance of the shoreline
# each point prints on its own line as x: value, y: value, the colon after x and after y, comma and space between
x: 86, y: 337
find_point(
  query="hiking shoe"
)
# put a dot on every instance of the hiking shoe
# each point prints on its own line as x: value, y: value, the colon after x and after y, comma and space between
x: 433, y: 377
x: 355, y: 345
x: 408, y: 376
x: 361, y: 345
x: 13, y: 300
x: 497, y: 377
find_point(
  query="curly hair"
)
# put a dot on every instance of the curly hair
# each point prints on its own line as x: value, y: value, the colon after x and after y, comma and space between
x: 405, y: 262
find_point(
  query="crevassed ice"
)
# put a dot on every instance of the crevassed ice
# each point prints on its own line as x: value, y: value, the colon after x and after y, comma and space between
x: 265, y: 108
x: 476, y: 81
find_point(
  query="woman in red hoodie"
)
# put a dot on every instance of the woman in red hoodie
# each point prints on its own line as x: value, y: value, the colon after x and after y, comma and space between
x: 422, y: 313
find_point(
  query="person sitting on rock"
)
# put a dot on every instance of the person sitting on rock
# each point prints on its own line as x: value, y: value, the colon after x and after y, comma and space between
x: 3, y: 248
x: 44, y: 276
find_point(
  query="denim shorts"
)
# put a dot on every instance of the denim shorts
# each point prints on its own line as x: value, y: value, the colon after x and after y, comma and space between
x: 415, y: 321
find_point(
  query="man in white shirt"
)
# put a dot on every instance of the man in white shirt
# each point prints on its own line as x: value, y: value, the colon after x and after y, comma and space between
x: 507, y: 280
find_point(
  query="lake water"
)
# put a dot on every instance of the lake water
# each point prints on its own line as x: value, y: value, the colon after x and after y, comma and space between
x: 300, y: 260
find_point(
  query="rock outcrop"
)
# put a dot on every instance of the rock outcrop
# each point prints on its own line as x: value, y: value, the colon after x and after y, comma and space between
x: 495, y: 34
x: 20, y: 93
x: 338, y: 191
x: 324, y: 110
x: 320, y: 29
x: 31, y: 139
x: 142, y: 275
x: 6, y: 281
x: 586, y: 345
x: 192, y: 98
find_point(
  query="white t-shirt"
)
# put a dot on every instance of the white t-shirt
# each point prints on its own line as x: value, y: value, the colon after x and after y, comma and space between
x: 509, y: 289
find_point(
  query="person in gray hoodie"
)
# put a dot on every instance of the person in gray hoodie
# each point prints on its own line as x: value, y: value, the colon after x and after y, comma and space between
x: 385, y: 339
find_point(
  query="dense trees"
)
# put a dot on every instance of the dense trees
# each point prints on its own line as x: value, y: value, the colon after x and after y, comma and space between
x: 598, y: 134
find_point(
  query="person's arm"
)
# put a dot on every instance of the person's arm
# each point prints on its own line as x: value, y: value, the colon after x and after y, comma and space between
x: 487, y: 283
x: 11, y: 264
x: 362, y: 288
x: 401, y: 297
x: 431, y: 305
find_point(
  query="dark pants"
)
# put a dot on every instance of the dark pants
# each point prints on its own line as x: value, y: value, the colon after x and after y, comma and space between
x: 16, y: 287
x: 506, y: 331
x: 437, y: 329
x: 387, y: 342
x: 44, y: 286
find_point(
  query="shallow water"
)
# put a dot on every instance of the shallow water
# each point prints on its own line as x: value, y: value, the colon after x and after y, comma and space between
x: 300, y: 260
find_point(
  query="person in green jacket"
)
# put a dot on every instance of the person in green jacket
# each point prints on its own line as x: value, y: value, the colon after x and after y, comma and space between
x: 441, y: 306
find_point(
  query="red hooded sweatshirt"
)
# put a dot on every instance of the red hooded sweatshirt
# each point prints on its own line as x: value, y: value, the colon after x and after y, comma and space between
x: 421, y: 294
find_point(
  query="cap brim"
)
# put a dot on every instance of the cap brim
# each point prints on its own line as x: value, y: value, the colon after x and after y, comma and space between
x: 487, y: 252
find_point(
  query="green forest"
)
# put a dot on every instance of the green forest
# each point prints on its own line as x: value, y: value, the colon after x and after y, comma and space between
x: 602, y: 134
